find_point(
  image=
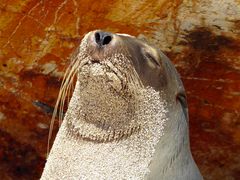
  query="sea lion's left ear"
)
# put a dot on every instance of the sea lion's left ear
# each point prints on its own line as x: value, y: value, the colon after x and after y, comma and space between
x: 181, y: 98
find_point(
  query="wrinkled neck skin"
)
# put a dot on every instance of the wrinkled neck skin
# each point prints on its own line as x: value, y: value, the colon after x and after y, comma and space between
x: 113, y: 143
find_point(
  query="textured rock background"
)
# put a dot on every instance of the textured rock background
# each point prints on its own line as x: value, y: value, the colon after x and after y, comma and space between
x: 202, y: 38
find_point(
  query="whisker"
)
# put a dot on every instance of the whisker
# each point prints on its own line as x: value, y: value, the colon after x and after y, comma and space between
x: 67, y: 82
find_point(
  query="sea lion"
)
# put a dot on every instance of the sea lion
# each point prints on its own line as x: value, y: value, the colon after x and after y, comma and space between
x: 127, y: 118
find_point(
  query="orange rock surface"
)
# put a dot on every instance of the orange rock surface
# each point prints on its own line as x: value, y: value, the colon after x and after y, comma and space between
x: 202, y: 38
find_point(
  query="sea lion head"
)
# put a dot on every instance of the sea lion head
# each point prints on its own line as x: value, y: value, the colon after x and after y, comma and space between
x: 130, y: 59
x: 112, y: 70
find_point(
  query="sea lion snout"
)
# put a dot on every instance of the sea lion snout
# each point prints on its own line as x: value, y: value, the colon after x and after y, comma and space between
x: 100, y: 44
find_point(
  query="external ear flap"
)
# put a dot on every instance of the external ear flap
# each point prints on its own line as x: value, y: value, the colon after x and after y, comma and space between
x: 142, y: 38
x: 44, y: 107
x: 181, y: 98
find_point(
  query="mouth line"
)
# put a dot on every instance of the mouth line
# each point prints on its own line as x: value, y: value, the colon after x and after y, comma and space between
x: 95, y: 61
x: 117, y: 72
x: 112, y: 68
x: 109, y: 68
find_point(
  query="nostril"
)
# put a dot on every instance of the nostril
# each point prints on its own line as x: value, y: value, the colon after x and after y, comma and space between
x: 102, y: 38
x: 97, y: 37
x: 106, y: 40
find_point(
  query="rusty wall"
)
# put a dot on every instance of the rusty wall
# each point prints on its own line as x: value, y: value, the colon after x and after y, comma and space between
x: 202, y: 38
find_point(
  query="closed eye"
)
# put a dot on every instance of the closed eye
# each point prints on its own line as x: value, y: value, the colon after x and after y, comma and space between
x: 152, y: 59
